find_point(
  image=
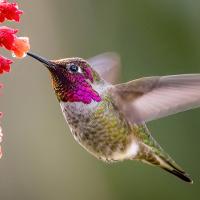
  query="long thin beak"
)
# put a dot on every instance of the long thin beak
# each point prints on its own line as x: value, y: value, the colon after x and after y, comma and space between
x: 46, y: 62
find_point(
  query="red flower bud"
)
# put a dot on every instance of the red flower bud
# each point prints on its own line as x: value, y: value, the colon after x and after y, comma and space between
x: 9, y: 11
x: 5, y: 64
x: 7, y: 37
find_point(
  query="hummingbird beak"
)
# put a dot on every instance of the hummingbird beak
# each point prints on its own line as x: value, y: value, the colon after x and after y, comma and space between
x: 49, y: 64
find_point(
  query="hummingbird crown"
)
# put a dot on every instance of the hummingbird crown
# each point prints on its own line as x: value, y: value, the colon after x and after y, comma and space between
x: 72, y: 80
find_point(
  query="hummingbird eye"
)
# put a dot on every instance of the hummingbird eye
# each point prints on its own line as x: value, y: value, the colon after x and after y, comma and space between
x: 74, y: 68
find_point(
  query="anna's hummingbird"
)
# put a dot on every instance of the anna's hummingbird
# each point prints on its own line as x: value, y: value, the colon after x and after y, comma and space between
x: 109, y: 120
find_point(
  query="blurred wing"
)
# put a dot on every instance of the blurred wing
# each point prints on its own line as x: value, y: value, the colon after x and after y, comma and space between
x: 151, y: 98
x: 107, y: 65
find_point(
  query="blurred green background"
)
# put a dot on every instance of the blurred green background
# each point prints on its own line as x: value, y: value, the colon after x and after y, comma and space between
x: 41, y: 159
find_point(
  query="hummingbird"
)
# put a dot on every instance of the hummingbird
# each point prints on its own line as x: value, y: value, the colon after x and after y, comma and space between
x: 109, y: 119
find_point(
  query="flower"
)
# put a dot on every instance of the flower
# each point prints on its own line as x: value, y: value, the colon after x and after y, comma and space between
x: 20, y: 47
x: 9, y: 11
x: 4, y: 65
x: 7, y: 37
x: 8, y: 40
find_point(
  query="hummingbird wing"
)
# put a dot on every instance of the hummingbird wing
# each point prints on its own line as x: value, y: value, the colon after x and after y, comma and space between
x: 107, y: 65
x: 150, y: 98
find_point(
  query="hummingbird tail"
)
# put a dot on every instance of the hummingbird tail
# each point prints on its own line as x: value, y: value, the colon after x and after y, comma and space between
x: 182, y: 175
x: 152, y: 153
x: 171, y: 167
x: 166, y: 163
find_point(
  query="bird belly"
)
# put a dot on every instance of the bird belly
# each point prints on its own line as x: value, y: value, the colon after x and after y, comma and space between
x: 104, y: 133
x: 106, y: 150
x: 108, y: 141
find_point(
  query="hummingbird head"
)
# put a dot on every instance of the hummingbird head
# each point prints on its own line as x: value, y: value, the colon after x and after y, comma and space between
x: 72, y: 79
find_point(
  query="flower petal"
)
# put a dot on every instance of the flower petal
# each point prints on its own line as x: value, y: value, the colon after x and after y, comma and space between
x: 5, y: 64
x: 9, y: 11
x: 7, y: 37
x: 20, y: 47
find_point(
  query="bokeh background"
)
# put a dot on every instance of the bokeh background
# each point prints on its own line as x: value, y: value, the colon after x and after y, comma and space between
x: 41, y: 159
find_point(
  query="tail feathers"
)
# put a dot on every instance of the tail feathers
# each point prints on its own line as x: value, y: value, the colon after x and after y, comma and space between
x: 171, y: 167
x: 152, y: 153
x: 164, y: 161
x: 182, y: 175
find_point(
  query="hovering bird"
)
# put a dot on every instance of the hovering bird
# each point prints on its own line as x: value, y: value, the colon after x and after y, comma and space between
x: 109, y: 120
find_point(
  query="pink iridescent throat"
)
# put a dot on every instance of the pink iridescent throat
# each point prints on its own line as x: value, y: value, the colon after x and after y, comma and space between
x: 76, y: 87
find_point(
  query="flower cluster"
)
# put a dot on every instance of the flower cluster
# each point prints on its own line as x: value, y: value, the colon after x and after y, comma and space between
x: 19, y: 46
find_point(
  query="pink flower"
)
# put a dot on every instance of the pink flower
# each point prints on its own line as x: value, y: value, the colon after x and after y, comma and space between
x: 7, y: 37
x: 9, y: 11
x: 21, y: 46
x: 18, y: 45
x: 5, y: 64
